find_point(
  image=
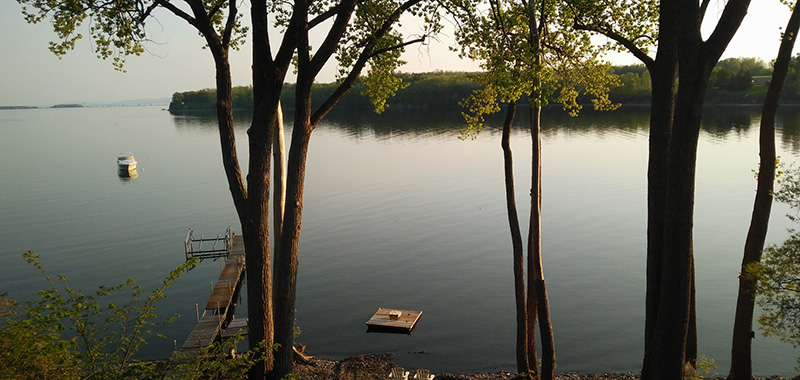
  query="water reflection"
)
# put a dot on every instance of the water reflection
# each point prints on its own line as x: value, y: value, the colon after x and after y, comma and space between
x: 788, y: 123
x: 720, y: 122
x: 127, y: 176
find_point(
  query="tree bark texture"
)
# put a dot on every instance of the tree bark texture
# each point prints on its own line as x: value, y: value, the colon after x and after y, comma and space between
x: 742, y: 344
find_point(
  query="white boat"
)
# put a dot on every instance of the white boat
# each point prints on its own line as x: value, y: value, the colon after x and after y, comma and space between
x: 126, y: 162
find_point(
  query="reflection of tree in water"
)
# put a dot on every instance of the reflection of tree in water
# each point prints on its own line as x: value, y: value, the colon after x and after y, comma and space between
x: 425, y: 121
x: 718, y: 122
x: 721, y: 121
x: 788, y: 126
x: 631, y: 119
x: 206, y: 121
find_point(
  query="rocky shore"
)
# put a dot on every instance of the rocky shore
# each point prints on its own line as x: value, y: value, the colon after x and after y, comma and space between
x: 378, y: 366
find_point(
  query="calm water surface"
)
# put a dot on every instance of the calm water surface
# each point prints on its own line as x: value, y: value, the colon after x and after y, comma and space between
x: 398, y: 213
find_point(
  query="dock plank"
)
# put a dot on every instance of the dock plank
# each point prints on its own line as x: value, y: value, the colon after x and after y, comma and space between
x: 204, y: 333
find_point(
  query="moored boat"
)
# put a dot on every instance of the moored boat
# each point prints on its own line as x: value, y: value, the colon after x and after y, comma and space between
x: 126, y: 162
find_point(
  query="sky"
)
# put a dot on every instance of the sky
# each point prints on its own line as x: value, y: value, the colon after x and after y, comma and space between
x: 30, y: 75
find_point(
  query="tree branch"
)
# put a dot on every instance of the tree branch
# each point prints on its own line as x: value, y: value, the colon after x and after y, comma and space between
x: 703, y: 9
x: 176, y: 11
x: 217, y: 7
x: 728, y: 24
x: 366, y: 53
x: 288, y: 45
x: 324, y: 16
x: 398, y: 46
x: 228, y: 32
x: 334, y: 37
x: 627, y: 43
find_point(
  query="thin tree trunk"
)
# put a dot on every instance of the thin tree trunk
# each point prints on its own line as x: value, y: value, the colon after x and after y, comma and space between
x: 536, y: 274
x: 279, y: 179
x: 690, y: 354
x: 533, y: 246
x: 741, y: 348
x: 516, y: 243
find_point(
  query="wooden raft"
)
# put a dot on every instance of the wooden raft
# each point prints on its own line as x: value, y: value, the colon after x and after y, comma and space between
x: 393, y: 321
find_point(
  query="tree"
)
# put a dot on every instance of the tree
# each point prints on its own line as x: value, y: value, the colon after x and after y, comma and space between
x: 360, y: 35
x: 69, y: 334
x: 776, y: 277
x: 526, y: 49
x: 741, y: 348
x: 670, y: 328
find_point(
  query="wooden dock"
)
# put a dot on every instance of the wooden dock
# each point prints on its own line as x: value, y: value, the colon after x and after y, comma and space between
x: 219, y: 306
x: 393, y: 321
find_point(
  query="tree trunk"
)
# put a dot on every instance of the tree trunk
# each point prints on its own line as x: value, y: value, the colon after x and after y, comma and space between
x: 663, y: 73
x: 668, y: 345
x: 256, y: 237
x: 674, y: 308
x: 279, y: 179
x: 286, y: 259
x: 536, y: 287
x: 534, y: 245
x: 516, y: 243
x: 536, y: 274
x: 690, y: 352
x: 741, y: 348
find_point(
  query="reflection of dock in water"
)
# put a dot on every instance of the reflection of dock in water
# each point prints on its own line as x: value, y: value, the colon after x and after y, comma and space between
x: 218, y: 312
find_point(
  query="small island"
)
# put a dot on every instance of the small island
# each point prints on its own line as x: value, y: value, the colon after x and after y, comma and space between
x: 17, y: 107
x: 67, y: 106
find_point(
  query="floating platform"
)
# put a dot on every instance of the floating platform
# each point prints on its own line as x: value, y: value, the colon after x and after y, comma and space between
x: 393, y: 321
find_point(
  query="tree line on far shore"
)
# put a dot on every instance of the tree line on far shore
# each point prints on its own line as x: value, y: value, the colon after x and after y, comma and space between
x: 733, y: 81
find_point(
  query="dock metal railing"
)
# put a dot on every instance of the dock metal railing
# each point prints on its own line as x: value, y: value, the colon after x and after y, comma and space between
x: 220, y: 245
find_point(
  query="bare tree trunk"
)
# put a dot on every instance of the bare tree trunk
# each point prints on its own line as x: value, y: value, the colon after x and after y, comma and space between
x: 279, y: 179
x: 534, y: 245
x: 516, y: 243
x: 536, y: 274
x: 741, y: 349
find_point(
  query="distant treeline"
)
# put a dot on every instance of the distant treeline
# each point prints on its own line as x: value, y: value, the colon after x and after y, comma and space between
x: 435, y: 89
x: 733, y: 80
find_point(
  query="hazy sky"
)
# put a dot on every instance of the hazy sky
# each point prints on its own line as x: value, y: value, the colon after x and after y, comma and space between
x: 31, y: 75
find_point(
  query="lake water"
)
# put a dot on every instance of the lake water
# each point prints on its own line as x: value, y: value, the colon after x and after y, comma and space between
x: 400, y: 213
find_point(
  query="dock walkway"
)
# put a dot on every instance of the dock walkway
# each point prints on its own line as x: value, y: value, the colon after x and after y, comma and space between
x: 218, y: 307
